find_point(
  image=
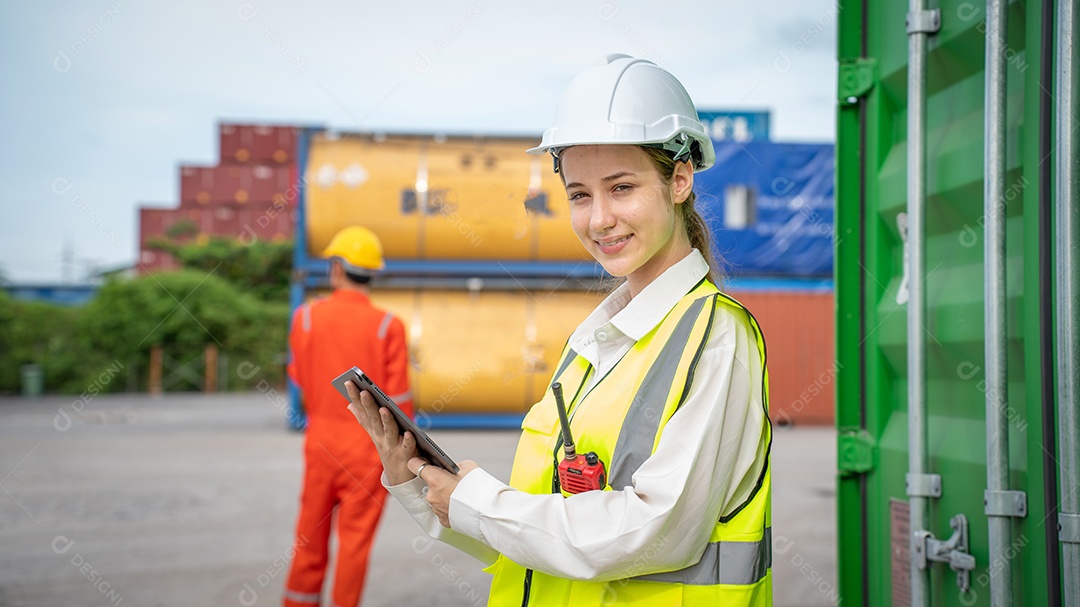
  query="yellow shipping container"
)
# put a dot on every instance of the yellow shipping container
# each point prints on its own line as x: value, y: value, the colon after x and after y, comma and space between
x: 484, y: 351
x: 433, y: 197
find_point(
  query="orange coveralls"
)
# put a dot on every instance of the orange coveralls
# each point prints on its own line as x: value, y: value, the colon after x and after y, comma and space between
x: 342, y: 468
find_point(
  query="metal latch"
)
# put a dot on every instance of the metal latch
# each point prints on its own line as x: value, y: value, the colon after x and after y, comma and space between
x: 855, y: 451
x: 924, y: 22
x: 1005, y: 503
x: 855, y: 79
x: 1069, y: 528
x: 923, y: 485
x: 953, y: 551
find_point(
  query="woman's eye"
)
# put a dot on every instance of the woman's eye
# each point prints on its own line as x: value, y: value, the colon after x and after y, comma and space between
x: 622, y: 187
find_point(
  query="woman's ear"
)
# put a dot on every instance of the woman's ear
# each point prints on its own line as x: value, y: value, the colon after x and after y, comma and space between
x: 682, y: 182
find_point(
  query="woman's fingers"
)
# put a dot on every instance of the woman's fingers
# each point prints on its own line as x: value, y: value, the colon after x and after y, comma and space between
x: 415, y: 463
x: 389, y: 424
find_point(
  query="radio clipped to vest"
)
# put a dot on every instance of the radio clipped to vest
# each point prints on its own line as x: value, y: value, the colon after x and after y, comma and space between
x: 577, y: 473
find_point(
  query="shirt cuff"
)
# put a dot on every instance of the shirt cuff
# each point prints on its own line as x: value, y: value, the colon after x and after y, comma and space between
x: 467, y: 502
x: 411, y: 494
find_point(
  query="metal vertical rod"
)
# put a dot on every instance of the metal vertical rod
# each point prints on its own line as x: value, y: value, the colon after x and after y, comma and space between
x: 1068, y: 291
x: 995, y: 301
x: 296, y: 418
x: 916, y: 341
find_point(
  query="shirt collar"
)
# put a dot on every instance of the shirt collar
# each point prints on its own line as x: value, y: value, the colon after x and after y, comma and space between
x: 350, y: 295
x: 635, y: 317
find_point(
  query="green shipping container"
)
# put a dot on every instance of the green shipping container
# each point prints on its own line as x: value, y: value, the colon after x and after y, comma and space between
x: 877, y: 507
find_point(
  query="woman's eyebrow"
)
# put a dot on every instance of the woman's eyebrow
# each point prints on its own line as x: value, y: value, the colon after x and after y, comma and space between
x: 618, y: 175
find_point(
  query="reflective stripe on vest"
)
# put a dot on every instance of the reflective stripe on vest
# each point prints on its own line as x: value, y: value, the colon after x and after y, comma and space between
x: 306, y: 317
x: 642, y: 421
x: 724, y: 563
x: 302, y: 597
x: 384, y: 325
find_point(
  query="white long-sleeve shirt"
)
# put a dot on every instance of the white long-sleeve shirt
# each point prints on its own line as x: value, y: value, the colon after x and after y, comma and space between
x: 707, y: 463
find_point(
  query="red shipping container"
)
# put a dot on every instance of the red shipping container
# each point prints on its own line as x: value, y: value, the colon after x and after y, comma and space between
x: 232, y: 184
x: 257, y: 143
x: 799, y: 333
x: 196, y: 185
x: 266, y: 222
x: 269, y: 182
x: 153, y: 223
x: 276, y: 144
x: 236, y: 143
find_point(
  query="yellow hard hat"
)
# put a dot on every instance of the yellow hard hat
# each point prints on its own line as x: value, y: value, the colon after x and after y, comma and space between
x: 358, y: 249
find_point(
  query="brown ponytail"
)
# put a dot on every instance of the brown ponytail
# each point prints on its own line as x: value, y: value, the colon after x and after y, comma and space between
x: 697, y: 231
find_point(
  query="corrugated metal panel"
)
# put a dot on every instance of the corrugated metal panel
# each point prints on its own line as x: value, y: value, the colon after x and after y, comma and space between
x: 196, y: 185
x: 871, y: 276
x: 265, y: 221
x: 234, y: 184
x: 257, y: 144
x: 798, y: 331
x: 154, y: 222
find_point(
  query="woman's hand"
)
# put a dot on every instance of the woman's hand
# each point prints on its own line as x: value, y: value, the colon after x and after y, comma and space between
x: 440, y: 484
x: 395, y: 449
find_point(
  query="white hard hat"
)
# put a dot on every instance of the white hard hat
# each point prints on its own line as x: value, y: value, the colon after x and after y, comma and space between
x: 628, y: 101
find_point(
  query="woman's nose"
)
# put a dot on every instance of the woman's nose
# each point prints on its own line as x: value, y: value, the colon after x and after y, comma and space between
x: 602, y: 216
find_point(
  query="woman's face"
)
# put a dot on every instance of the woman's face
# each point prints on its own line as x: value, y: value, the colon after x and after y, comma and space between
x: 624, y: 213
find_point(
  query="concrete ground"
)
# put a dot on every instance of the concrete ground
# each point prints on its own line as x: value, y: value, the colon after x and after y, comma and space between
x: 191, y: 500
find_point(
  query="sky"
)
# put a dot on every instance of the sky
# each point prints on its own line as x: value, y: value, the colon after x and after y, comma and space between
x: 103, y: 100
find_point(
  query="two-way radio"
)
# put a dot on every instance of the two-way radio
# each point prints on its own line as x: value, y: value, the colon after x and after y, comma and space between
x: 577, y: 473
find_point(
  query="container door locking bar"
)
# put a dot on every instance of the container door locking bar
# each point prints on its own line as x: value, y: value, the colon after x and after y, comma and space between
x: 953, y: 551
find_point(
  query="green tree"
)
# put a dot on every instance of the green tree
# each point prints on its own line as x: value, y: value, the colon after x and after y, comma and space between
x: 47, y: 335
x: 262, y: 268
x: 183, y: 312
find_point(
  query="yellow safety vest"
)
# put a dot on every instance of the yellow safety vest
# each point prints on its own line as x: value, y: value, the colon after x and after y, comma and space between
x: 643, y: 390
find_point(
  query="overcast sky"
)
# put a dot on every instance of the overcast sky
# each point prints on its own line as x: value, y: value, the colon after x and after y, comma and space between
x: 102, y: 100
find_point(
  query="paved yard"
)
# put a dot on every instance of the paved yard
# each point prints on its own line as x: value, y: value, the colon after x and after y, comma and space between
x: 191, y: 500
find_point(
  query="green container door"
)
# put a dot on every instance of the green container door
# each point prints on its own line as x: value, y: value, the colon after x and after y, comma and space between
x: 872, y: 318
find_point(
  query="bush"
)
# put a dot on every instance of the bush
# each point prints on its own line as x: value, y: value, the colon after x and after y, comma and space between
x: 183, y: 312
x: 111, y: 336
x: 46, y: 334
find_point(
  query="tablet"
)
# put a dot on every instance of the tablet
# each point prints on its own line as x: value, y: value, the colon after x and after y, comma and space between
x: 424, y: 444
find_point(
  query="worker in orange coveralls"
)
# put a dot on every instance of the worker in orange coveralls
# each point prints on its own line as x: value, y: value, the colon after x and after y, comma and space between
x: 342, y: 469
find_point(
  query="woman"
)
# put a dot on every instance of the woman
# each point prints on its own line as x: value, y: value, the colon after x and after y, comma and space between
x: 665, y: 381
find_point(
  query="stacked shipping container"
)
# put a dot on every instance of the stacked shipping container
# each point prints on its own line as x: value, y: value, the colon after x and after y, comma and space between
x: 248, y: 195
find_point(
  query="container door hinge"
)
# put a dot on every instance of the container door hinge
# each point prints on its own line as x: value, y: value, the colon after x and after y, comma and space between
x: 953, y: 551
x: 856, y: 451
x: 1005, y: 503
x: 855, y: 79
x: 923, y: 485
